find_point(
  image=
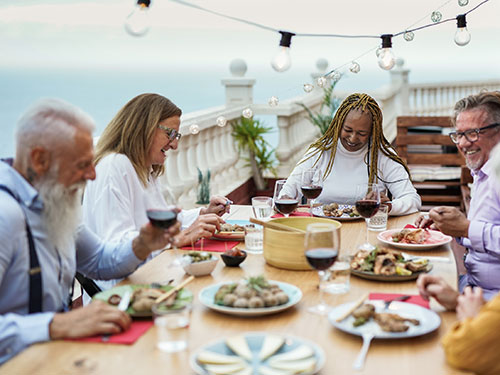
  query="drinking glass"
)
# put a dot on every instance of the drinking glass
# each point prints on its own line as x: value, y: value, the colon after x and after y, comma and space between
x: 367, y: 204
x: 311, y: 185
x: 284, y: 203
x: 321, y: 248
x: 262, y: 207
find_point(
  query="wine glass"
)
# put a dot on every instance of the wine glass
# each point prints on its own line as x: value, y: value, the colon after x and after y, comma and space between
x: 321, y: 248
x: 367, y: 204
x: 311, y: 185
x: 163, y: 218
x: 284, y: 203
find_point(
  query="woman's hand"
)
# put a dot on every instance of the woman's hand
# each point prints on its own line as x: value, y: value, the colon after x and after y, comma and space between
x: 435, y: 286
x: 203, y: 227
x: 218, y: 205
x: 470, y: 303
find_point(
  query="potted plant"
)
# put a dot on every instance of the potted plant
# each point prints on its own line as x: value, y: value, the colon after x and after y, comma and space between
x: 249, y: 136
x: 203, y: 187
x: 322, y: 118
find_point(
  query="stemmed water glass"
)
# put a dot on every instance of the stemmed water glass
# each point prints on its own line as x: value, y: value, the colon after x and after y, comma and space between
x: 283, y: 201
x: 367, y: 204
x: 311, y: 185
x: 321, y: 248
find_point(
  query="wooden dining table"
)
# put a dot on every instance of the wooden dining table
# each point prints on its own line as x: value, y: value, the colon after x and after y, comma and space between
x: 417, y: 355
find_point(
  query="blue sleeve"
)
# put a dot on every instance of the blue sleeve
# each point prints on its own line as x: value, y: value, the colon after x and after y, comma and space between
x: 103, y: 261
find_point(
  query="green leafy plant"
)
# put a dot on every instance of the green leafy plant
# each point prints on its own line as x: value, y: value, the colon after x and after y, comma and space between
x: 203, y: 187
x: 249, y: 136
x: 322, y: 118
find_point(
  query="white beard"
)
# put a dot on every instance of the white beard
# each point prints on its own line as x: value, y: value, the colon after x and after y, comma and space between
x: 61, y: 211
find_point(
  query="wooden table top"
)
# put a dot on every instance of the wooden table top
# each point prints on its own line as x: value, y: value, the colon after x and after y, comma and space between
x: 420, y: 355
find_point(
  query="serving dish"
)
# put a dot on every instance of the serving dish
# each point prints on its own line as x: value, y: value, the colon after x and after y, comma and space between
x: 318, y: 212
x: 436, y: 239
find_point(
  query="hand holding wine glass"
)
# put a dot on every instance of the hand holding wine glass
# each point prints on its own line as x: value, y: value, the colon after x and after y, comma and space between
x: 367, y: 204
x: 311, y: 185
x: 284, y: 203
x: 321, y: 248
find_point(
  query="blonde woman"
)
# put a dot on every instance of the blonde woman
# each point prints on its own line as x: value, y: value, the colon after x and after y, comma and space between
x: 354, y: 151
x: 130, y: 156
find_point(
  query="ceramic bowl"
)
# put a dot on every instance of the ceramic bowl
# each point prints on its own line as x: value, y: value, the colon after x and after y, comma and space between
x: 232, y: 260
x: 202, y: 268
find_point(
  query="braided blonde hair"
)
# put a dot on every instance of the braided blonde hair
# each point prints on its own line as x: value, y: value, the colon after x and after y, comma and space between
x: 329, y: 140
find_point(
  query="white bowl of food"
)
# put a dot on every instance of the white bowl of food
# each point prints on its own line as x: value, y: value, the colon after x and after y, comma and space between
x: 199, y: 263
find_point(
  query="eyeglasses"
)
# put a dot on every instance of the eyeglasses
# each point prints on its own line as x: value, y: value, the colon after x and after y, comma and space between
x: 472, y: 135
x: 172, y: 134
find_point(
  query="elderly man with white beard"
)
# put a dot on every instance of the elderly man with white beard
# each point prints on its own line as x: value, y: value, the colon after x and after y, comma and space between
x: 42, y: 243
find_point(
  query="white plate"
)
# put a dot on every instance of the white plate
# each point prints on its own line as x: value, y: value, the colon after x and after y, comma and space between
x: 437, y: 237
x: 255, y: 340
x: 318, y: 211
x: 429, y: 320
x: 207, y: 295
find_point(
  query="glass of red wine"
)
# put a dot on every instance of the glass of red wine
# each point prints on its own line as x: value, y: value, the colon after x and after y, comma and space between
x: 284, y: 200
x: 164, y: 218
x: 367, y: 204
x: 311, y: 185
x: 321, y: 249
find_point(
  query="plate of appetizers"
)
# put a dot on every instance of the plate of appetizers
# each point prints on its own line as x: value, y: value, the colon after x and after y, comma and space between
x: 387, y: 265
x: 143, y: 297
x: 258, y: 353
x: 250, y: 297
x: 414, y: 239
x: 399, y: 320
x: 232, y: 230
x: 341, y: 212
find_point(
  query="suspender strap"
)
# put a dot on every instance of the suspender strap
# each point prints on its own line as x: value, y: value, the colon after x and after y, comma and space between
x: 35, y: 272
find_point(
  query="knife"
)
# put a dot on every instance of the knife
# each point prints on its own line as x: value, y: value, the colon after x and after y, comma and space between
x: 122, y: 306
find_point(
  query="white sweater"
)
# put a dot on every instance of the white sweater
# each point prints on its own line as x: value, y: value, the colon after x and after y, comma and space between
x: 349, y: 169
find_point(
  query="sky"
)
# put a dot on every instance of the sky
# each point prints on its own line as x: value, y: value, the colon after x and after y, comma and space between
x: 62, y: 34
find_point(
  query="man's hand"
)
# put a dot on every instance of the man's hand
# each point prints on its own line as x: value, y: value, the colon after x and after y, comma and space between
x: 424, y: 221
x: 95, y: 319
x: 470, y: 303
x: 152, y: 238
x: 203, y: 227
x: 218, y: 205
x: 435, y: 286
x: 450, y: 221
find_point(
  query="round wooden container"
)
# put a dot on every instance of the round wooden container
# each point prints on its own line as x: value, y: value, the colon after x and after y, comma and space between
x: 286, y: 249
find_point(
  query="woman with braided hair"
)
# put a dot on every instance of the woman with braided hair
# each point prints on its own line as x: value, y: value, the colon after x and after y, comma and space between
x: 354, y: 151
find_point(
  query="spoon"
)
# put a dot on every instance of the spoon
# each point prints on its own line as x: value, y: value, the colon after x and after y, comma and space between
x: 359, y: 363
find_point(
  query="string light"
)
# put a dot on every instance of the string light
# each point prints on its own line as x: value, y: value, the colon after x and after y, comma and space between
x: 463, y: 3
x: 436, y: 16
x: 247, y: 113
x: 462, y: 35
x: 221, y: 121
x: 335, y: 76
x: 354, y: 68
x: 386, y: 58
x: 308, y: 87
x: 282, y: 61
x: 321, y: 81
x: 194, y: 129
x: 273, y: 101
x: 408, y: 36
x: 137, y: 22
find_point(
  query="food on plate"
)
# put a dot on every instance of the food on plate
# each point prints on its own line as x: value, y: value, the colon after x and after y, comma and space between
x: 254, y: 292
x: 411, y: 236
x: 239, y: 345
x: 388, y: 262
x: 114, y: 299
x: 209, y: 357
x: 234, y: 368
x: 298, y: 366
x: 270, y: 346
x: 300, y: 352
x: 226, y: 227
x: 143, y: 298
x: 387, y: 321
x: 234, y: 252
x: 334, y: 210
x: 197, y: 256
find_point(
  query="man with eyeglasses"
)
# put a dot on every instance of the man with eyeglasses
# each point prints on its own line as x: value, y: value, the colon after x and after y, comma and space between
x: 477, y: 124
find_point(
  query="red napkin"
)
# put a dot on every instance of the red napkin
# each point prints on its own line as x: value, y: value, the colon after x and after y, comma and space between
x: 415, y: 299
x: 212, y: 245
x: 136, y: 330
x: 297, y: 213
x: 410, y: 226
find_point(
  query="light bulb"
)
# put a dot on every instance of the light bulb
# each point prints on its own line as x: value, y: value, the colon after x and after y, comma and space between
x: 247, y: 113
x: 408, y: 36
x: 436, y: 16
x: 137, y: 22
x: 463, y: 3
x: 335, y: 76
x: 194, y: 129
x: 282, y: 60
x: 386, y: 58
x: 354, y: 68
x: 462, y: 36
x: 221, y: 121
x: 321, y: 81
x: 273, y: 101
x: 308, y: 87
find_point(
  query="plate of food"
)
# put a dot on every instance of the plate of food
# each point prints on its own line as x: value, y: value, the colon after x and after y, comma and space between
x: 258, y: 353
x: 414, y: 239
x: 399, y: 320
x: 387, y: 265
x: 341, y: 212
x: 143, y: 297
x: 232, y: 230
x: 250, y: 297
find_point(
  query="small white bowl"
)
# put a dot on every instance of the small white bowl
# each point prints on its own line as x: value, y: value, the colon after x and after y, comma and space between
x: 202, y: 268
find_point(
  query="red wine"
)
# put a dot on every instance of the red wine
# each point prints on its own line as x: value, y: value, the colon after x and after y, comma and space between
x: 367, y: 207
x: 286, y: 206
x: 322, y: 258
x: 311, y: 191
x: 162, y: 218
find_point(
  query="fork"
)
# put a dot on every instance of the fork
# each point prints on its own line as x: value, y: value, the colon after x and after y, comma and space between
x: 400, y: 298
